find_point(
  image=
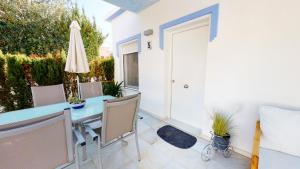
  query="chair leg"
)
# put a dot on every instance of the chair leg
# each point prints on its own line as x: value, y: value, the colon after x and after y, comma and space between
x: 76, y: 157
x: 124, y: 143
x: 137, y: 146
x: 100, y: 165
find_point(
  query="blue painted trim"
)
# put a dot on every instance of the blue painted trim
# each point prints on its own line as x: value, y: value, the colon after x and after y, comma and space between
x: 136, y: 37
x: 213, y: 10
x: 114, y: 15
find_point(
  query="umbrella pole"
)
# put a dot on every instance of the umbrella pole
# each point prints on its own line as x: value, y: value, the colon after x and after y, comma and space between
x: 78, y: 88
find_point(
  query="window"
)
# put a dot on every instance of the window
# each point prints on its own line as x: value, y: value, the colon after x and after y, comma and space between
x: 131, y: 70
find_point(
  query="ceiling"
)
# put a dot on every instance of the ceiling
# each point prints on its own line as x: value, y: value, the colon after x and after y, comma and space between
x: 132, y: 5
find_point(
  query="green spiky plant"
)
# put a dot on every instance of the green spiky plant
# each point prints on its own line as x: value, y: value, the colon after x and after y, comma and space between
x: 113, y: 89
x: 222, y: 124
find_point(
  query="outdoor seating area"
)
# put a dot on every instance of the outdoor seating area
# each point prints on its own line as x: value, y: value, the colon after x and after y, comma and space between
x: 149, y: 84
x: 41, y: 129
x: 139, y: 146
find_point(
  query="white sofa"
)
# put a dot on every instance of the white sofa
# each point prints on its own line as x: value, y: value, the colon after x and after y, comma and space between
x: 279, y: 146
x: 270, y: 159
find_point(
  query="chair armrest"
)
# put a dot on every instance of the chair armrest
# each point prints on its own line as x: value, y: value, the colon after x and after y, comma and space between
x: 79, y: 137
x: 255, y: 149
x: 91, y: 132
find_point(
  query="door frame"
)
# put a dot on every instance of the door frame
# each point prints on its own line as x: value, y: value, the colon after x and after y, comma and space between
x: 200, y: 22
x: 121, y: 60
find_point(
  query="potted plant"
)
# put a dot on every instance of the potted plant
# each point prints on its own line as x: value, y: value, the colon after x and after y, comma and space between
x: 222, y: 126
x: 113, y: 89
x: 76, y: 102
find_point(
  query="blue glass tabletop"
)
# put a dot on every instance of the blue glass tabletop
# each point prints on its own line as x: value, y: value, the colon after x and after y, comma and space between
x: 92, y: 108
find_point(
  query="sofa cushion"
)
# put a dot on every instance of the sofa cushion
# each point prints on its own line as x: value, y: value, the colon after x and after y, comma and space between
x: 270, y: 159
x: 280, y: 130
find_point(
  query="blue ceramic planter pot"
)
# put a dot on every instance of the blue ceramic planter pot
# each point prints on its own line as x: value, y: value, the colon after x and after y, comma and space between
x: 78, y: 106
x: 221, y: 143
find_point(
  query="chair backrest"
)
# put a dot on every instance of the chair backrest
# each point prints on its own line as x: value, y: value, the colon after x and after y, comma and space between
x: 90, y: 89
x: 41, y: 143
x: 46, y: 95
x: 119, y: 117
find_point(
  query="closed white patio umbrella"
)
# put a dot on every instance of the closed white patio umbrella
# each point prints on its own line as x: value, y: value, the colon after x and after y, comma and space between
x: 76, y: 58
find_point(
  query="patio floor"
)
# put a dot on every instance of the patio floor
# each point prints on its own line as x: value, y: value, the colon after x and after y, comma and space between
x: 157, y: 154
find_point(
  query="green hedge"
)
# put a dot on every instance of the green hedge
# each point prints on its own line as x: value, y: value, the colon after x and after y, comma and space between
x: 5, y: 98
x: 47, y: 71
x: 102, y: 69
x: 16, y: 80
x: 2, y: 73
x: 18, y: 73
x: 108, y: 69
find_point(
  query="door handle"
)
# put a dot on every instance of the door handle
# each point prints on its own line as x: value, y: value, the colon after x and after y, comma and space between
x: 186, y: 86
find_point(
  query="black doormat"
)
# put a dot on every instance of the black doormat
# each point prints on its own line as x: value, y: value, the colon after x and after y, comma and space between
x: 176, y: 137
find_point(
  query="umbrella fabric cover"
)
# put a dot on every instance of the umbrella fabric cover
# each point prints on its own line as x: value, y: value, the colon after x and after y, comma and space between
x: 76, y: 59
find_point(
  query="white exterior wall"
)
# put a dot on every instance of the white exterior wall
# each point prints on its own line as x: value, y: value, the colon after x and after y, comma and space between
x: 254, y: 60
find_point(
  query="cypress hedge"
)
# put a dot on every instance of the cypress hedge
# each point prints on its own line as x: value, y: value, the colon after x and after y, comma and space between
x: 5, y: 98
x: 102, y: 69
x: 19, y: 72
x: 20, y: 92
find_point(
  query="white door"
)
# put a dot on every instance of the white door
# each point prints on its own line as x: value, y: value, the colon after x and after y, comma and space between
x: 188, y: 74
